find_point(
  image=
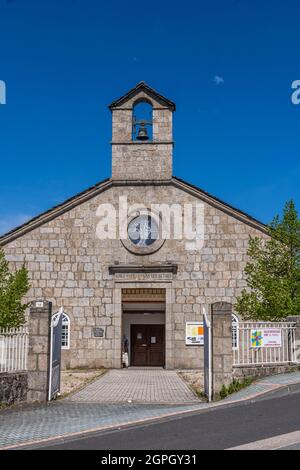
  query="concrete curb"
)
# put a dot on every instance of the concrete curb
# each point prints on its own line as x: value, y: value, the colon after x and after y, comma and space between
x: 281, y: 391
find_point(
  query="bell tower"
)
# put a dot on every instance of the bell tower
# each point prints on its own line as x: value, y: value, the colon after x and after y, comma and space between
x: 142, y: 136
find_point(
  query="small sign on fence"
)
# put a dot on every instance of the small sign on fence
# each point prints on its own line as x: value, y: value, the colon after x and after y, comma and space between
x: 266, y: 338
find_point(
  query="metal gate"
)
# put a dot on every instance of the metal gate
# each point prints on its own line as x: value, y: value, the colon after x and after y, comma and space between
x: 55, y: 355
x: 207, y: 357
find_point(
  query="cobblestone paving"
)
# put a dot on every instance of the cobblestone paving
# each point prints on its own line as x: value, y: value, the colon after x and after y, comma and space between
x: 137, y: 385
x: 62, y: 418
x: 33, y: 423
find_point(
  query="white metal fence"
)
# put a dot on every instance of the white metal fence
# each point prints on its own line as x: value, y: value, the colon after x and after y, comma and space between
x: 263, y: 343
x: 13, y: 349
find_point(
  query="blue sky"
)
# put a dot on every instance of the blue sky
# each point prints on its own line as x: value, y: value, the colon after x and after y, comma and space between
x: 64, y: 61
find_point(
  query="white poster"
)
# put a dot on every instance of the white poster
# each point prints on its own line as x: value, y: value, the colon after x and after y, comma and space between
x: 194, y: 333
x: 266, y: 338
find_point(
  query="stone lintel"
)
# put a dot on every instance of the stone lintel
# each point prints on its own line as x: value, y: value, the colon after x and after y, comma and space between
x: 172, y: 268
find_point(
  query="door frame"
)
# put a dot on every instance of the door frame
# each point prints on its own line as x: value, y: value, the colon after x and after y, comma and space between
x: 161, y: 325
x: 117, y: 318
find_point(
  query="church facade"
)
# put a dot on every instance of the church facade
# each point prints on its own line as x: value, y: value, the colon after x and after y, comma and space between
x: 135, y: 259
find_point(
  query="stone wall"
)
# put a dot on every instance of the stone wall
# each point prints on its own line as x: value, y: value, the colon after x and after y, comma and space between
x: 263, y: 371
x: 69, y: 266
x: 148, y: 161
x: 13, y: 387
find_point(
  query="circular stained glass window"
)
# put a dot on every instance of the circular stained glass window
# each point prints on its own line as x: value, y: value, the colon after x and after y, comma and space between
x: 143, y: 230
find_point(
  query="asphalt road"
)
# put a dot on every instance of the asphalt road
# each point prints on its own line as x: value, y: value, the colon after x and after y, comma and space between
x: 214, y: 429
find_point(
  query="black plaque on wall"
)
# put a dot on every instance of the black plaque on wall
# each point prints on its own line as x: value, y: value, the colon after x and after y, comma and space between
x: 98, y: 332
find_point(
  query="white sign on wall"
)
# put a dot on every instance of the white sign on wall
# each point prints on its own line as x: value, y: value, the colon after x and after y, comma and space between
x: 194, y: 333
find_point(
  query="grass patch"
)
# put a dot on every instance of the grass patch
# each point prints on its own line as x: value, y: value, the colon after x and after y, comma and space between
x: 194, y: 379
x: 199, y: 392
x: 75, y: 380
x: 235, y: 386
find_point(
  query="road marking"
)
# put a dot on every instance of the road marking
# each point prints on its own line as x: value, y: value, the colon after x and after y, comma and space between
x: 272, y: 443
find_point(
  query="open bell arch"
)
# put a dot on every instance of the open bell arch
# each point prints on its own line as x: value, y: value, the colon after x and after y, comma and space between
x: 142, y: 120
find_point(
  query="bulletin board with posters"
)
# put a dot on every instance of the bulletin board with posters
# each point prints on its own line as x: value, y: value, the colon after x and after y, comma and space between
x: 194, y: 333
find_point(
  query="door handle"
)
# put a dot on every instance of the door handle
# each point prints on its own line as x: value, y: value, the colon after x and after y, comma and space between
x: 144, y: 345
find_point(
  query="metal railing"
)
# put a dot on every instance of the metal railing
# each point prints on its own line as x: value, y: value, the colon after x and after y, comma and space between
x: 13, y: 349
x: 253, y: 344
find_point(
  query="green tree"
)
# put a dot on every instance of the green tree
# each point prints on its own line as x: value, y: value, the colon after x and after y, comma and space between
x: 273, y: 272
x: 13, y: 287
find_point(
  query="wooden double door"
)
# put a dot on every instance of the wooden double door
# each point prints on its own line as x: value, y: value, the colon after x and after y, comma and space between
x: 147, y: 345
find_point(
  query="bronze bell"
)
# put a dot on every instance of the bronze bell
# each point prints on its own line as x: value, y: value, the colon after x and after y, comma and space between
x: 142, y: 134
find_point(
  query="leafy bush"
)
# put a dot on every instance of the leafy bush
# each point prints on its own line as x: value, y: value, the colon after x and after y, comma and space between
x: 13, y: 287
x: 273, y: 271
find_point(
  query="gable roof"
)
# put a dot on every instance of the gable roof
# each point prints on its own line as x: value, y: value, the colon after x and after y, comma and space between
x: 108, y: 183
x: 55, y: 211
x: 221, y: 205
x: 142, y: 86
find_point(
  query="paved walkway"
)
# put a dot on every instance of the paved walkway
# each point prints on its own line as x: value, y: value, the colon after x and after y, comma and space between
x: 137, y: 385
x: 66, y: 418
